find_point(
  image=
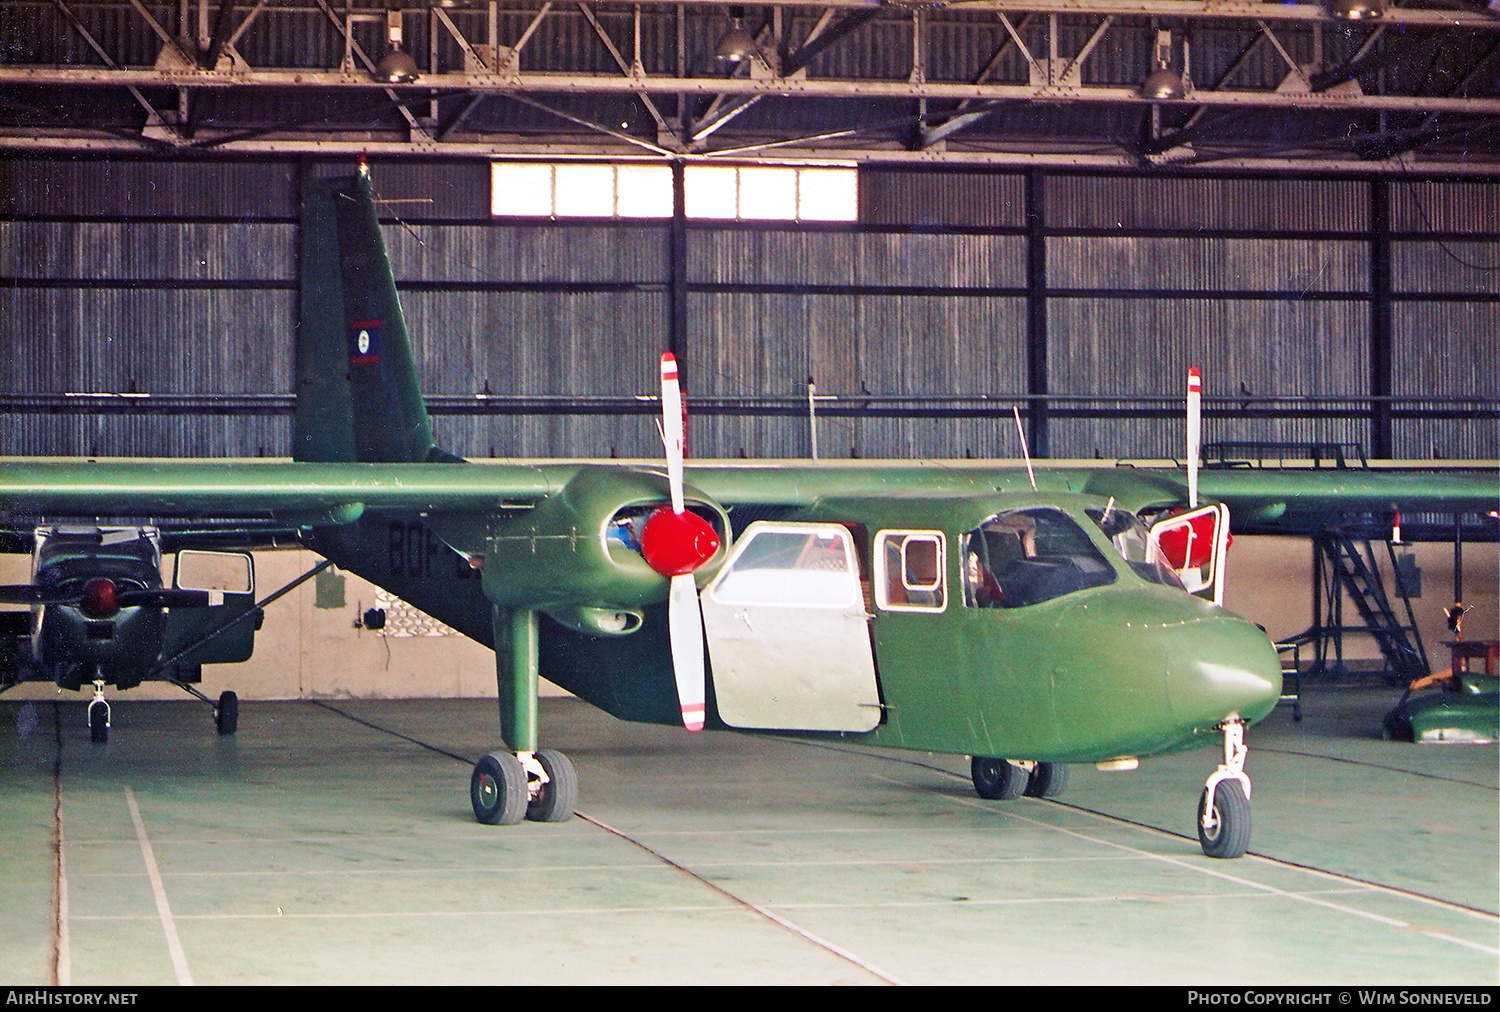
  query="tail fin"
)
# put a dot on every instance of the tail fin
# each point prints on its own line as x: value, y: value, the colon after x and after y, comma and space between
x: 357, y: 392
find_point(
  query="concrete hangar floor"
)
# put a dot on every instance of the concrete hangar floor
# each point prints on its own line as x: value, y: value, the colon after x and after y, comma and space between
x: 332, y: 843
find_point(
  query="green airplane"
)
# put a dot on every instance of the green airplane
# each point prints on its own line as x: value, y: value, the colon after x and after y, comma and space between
x: 101, y: 615
x: 1027, y: 618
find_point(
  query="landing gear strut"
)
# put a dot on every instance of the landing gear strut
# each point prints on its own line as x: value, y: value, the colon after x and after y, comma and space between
x: 540, y: 785
x: 99, y: 715
x: 1224, y: 808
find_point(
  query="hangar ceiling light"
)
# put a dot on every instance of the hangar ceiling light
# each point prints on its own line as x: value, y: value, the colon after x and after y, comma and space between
x: 395, y: 67
x: 1357, y: 10
x: 1163, y: 84
x: 736, y: 45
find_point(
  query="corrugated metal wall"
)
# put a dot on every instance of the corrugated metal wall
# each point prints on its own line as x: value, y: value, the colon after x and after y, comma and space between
x: 179, y: 278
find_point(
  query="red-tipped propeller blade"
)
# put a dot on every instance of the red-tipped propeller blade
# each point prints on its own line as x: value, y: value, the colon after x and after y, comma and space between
x: 675, y: 544
x: 167, y: 597
x: 685, y: 626
x: 1194, y: 432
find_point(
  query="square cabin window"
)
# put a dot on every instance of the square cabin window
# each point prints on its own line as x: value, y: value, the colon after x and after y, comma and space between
x: 911, y: 571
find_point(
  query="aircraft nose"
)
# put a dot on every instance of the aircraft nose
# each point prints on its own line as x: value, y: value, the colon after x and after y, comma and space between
x: 1222, y: 667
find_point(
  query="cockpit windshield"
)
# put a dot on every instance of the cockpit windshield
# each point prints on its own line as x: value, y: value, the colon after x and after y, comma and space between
x: 1025, y: 557
x: 1131, y: 539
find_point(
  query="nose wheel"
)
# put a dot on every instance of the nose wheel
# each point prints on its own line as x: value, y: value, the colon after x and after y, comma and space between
x: 1224, y: 808
x: 227, y: 713
x: 99, y: 715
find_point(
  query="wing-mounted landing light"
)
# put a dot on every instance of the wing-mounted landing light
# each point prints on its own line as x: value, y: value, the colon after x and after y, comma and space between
x: 675, y: 542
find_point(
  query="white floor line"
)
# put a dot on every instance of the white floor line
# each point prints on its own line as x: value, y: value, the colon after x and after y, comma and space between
x: 163, y: 908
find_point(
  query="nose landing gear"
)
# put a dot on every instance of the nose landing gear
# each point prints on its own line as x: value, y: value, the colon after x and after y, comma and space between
x: 99, y: 715
x: 1224, y: 808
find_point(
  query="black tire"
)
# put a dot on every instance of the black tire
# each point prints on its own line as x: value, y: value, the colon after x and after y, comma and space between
x: 996, y: 779
x: 497, y: 790
x: 1229, y: 836
x: 555, y: 800
x: 1047, y: 780
x: 98, y: 722
x: 227, y: 715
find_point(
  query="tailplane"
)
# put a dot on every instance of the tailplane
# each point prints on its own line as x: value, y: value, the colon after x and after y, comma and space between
x: 357, y: 393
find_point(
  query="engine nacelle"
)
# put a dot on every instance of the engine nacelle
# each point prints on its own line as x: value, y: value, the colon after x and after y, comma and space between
x: 577, y: 553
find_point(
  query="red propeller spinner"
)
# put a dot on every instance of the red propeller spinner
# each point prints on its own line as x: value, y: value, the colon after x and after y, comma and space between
x: 100, y: 598
x: 677, y: 543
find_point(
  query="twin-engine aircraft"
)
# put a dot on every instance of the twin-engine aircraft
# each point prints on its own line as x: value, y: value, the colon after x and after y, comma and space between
x: 1027, y: 619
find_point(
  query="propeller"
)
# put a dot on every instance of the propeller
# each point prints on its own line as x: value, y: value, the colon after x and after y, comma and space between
x: 675, y: 542
x: 101, y: 597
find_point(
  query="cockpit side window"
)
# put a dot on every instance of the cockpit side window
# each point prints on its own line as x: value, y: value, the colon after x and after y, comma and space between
x: 1025, y: 557
x: 1131, y: 539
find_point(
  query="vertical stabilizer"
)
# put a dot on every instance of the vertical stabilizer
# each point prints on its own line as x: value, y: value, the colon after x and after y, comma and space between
x: 357, y: 392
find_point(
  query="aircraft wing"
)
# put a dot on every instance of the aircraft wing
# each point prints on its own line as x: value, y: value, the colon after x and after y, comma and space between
x: 1279, y: 500
x: 301, y: 494
x: 1288, y: 501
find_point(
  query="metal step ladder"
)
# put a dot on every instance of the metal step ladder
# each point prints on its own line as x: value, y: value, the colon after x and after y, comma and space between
x: 1346, y: 567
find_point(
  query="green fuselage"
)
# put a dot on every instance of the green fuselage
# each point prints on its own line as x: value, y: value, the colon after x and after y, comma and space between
x: 1124, y: 669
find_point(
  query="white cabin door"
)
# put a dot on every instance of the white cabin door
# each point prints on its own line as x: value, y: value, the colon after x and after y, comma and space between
x: 788, y: 637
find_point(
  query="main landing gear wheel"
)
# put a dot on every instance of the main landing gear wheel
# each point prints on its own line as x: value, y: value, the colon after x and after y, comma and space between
x: 997, y: 779
x: 498, y: 790
x: 227, y: 713
x: 554, y: 800
x: 99, y: 722
x: 1047, y: 780
x: 1225, y: 830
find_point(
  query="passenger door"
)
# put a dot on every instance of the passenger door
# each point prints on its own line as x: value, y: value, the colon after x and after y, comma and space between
x: 787, y: 633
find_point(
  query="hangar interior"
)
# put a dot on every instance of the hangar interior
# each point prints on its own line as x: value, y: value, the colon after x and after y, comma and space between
x: 1058, y: 208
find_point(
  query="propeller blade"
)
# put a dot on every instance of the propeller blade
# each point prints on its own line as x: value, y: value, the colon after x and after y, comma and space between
x: 166, y: 597
x: 685, y: 624
x: 26, y: 593
x: 674, y: 431
x: 1194, y: 432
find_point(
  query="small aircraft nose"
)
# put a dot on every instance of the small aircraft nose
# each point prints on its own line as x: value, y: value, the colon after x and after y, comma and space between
x: 1222, y: 667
